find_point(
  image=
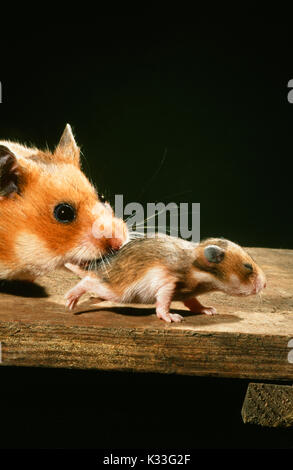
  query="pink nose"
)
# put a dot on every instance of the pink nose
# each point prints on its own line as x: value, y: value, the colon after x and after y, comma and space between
x: 115, y: 243
x: 112, y: 231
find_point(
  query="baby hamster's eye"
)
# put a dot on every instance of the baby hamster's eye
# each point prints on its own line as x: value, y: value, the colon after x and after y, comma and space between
x: 248, y: 266
x: 64, y: 213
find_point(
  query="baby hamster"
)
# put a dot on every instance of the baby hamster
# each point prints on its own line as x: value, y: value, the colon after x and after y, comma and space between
x: 163, y: 268
x: 50, y: 214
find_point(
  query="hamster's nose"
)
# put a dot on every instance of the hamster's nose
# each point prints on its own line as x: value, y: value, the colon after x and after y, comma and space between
x: 115, y: 243
x: 112, y: 231
x: 120, y: 234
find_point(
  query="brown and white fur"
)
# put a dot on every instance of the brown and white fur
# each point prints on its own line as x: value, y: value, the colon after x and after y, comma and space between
x: 162, y: 268
x: 32, y: 184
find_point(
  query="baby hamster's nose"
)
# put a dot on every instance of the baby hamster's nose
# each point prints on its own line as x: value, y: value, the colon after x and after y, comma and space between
x: 260, y: 283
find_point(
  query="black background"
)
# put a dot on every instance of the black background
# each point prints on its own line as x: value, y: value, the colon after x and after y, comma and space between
x: 213, y: 98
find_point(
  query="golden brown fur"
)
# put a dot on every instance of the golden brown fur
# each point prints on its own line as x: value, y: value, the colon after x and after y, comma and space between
x: 32, y: 241
x: 161, y: 269
x: 181, y: 261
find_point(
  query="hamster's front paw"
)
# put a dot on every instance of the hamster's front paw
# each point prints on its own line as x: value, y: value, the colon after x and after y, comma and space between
x: 176, y: 317
x: 196, y: 307
x: 209, y: 311
x: 72, y: 297
x: 169, y: 317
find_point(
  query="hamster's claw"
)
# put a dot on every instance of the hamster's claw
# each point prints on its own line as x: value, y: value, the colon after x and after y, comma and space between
x: 71, y: 303
x: 176, y: 317
x: 209, y: 311
x: 72, y: 297
x: 196, y: 307
x: 170, y: 317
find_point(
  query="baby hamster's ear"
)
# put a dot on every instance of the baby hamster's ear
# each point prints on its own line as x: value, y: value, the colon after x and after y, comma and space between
x: 67, y: 150
x: 214, y: 253
x: 9, y: 173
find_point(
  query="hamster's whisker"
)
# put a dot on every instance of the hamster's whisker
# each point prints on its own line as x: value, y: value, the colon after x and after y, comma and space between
x: 96, y: 265
x: 153, y: 226
x: 127, y: 218
x: 103, y: 262
x: 107, y: 259
x: 158, y: 213
x: 154, y: 176
x: 136, y: 234
x: 153, y: 215
x: 260, y: 296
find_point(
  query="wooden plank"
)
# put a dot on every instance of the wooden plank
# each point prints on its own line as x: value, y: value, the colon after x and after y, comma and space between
x: 268, y: 405
x: 248, y: 339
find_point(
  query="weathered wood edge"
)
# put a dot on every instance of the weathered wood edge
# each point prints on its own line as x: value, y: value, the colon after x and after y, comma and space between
x: 167, y: 351
x: 268, y: 405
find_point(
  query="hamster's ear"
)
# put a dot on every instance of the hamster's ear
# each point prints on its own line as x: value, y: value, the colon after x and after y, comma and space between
x: 10, y: 173
x: 67, y: 150
x: 214, y: 253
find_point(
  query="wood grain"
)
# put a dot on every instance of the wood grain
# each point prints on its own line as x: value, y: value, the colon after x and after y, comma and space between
x: 248, y: 339
x: 268, y: 405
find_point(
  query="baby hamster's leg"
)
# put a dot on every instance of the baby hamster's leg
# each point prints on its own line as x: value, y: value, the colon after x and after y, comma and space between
x: 76, y: 269
x: 196, y: 307
x: 163, y: 302
x: 87, y: 284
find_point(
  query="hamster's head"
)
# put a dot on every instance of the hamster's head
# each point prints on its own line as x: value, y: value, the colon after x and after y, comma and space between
x: 59, y: 215
x: 228, y: 267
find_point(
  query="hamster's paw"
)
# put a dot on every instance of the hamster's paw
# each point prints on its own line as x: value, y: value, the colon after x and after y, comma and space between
x: 170, y: 317
x: 196, y: 307
x: 176, y: 317
x: 209, y: 311
x: 72, y: 297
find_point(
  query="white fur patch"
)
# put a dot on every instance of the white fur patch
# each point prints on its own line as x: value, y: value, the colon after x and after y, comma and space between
x: 100, y: 210
x: 145, y: 290
x: 94, y: 285
x: 234, y: 279
x: 236, y: 287
x: 33, y: 255
x: 84, y: 251
x: 203, y: 277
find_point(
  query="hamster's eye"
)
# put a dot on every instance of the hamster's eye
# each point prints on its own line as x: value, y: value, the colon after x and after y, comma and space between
x: 64, y: 213
x: 248, y: 266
